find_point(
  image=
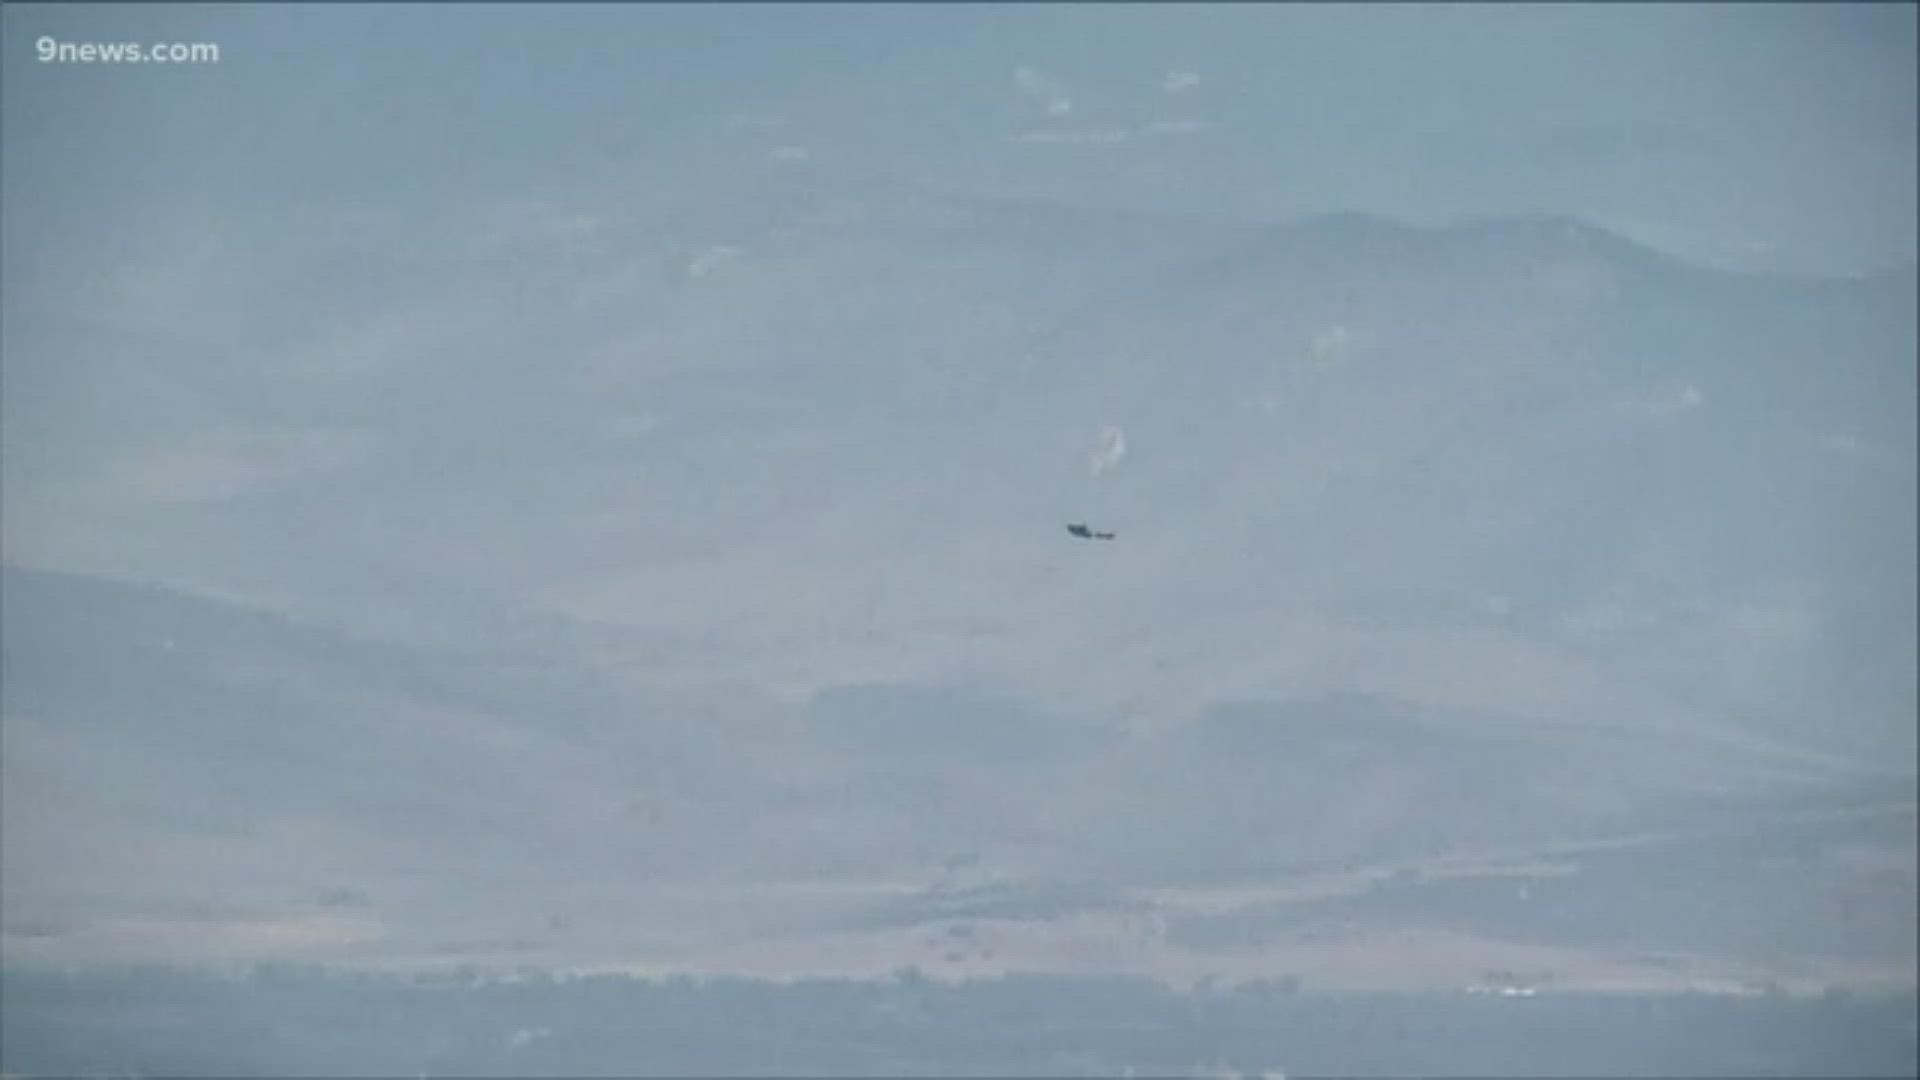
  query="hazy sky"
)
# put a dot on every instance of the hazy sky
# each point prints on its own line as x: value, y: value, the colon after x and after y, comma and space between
x: 1767, y: 135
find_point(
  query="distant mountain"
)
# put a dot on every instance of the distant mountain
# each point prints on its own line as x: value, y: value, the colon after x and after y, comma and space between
x: 692, y: 579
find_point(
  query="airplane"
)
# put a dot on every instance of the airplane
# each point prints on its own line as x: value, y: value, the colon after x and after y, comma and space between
x: 1085, y: 533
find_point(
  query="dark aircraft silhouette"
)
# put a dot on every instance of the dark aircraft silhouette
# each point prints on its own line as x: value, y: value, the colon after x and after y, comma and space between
x: 1085, y: 533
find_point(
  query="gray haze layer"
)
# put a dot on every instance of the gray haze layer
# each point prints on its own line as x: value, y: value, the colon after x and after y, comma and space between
x: 584, y: 488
